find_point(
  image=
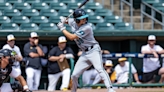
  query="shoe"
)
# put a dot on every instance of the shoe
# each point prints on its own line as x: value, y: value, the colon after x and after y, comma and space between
x: 111, y: 90
x: 99, y: 87
x: 64, y: 89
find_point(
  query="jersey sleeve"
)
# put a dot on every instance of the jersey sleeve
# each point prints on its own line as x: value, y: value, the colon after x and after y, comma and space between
x: 52, y: 52
x: 70, y: 21
x: 143, y: 48
x: 3, y: 47
x: 83, y: 31
x: 159, y: 48
x: 116, y: 71
x: 19, y: 52
x: 133, y: 69
x: 26, y: 50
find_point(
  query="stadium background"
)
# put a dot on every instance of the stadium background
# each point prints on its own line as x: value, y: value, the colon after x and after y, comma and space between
x: 118, y: 35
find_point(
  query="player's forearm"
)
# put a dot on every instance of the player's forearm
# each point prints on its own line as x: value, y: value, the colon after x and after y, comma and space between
x: 136, y: 77
x: 146, y: 52
x: 69, y: 35
x: 40, y: 52
x: 161, y: 52
x: 19, y: 58
x: 54, y: 58
x: 155, y: 54
x: 33, y: 55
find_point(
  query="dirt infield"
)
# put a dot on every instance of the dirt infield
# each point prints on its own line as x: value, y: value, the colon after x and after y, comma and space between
x: 117, y: 90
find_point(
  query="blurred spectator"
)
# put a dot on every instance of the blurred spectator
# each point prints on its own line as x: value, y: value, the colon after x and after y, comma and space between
x: 151, y: 66
x: 11, y: 46
x: 109, y: 69
x: 33, y: 53
x: 58, y: 65
x: 122, y: 71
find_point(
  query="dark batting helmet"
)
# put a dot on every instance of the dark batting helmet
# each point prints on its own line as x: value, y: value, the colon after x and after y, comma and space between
x: 7, y: 52
x: 80, y: 14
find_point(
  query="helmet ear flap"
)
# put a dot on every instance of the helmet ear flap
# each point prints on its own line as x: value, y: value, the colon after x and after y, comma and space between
x: 77, y: 20
x: 86, y: 21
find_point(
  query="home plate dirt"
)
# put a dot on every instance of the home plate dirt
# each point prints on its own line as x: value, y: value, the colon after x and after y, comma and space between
x: 117, y: 90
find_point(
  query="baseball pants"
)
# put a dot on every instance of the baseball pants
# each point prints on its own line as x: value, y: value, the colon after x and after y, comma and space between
x: 53, y: 79
x: 6, y: 87
x: 33, y: 78
x: 88, y: 58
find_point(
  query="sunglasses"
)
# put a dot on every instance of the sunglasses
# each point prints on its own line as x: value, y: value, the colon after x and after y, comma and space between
x: 35, y: 38
x: 11, y: 40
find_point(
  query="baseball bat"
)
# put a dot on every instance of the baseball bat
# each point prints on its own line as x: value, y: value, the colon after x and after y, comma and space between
x: 84, y: 2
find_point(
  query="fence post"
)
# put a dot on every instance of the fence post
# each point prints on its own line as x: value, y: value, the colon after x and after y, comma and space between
x: 163, y: 22
x: 141, y: 16
x: 152, y: 14
x: 111, y: 5
x: 130, y: 77
x: 121, y: 8
x: 103, y: 3
x: 131, y: 8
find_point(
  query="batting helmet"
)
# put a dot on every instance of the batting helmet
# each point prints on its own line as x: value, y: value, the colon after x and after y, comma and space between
x: 7, y: 52
x: 80, y: 14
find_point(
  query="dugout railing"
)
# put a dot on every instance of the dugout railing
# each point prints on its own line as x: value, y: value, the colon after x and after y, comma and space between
x: 130, y: 82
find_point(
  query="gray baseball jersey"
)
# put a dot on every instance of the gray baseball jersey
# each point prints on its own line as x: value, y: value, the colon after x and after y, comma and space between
x: 85, y: 34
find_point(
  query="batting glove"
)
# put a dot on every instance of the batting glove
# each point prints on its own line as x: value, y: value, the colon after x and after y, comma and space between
x: 63, y: 19
x: 61, y: 26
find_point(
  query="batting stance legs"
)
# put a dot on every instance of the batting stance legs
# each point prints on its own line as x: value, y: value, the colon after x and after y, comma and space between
x: 88, y: 58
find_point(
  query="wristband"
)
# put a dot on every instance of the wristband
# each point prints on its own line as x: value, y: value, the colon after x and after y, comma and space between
x: 69, y: 56
x: 25, y: 87
x: 63, y: 28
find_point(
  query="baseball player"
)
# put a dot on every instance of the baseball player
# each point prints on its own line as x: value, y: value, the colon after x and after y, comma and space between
x: 82, y: 34
x: 6, y: 70
x: 11, y: 46
x: 33, y: 53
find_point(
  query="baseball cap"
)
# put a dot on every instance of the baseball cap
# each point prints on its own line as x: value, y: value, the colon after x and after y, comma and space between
x: 34, y: 34
x: 10, y: 37
x: 151, y: 37
x: 122, y: 59
x: 62, y: 39
x: 108, y: 63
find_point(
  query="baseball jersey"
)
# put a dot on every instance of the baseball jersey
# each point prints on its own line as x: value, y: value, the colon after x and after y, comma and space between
x: 16, y: 49
x: 150, y: 64
x: 32, y: 62
x: 85, y: 34
x: 53, y: 67
x: 122, y: 73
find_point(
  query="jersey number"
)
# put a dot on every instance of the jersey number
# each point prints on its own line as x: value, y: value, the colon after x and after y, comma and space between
x: 80, y: 41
